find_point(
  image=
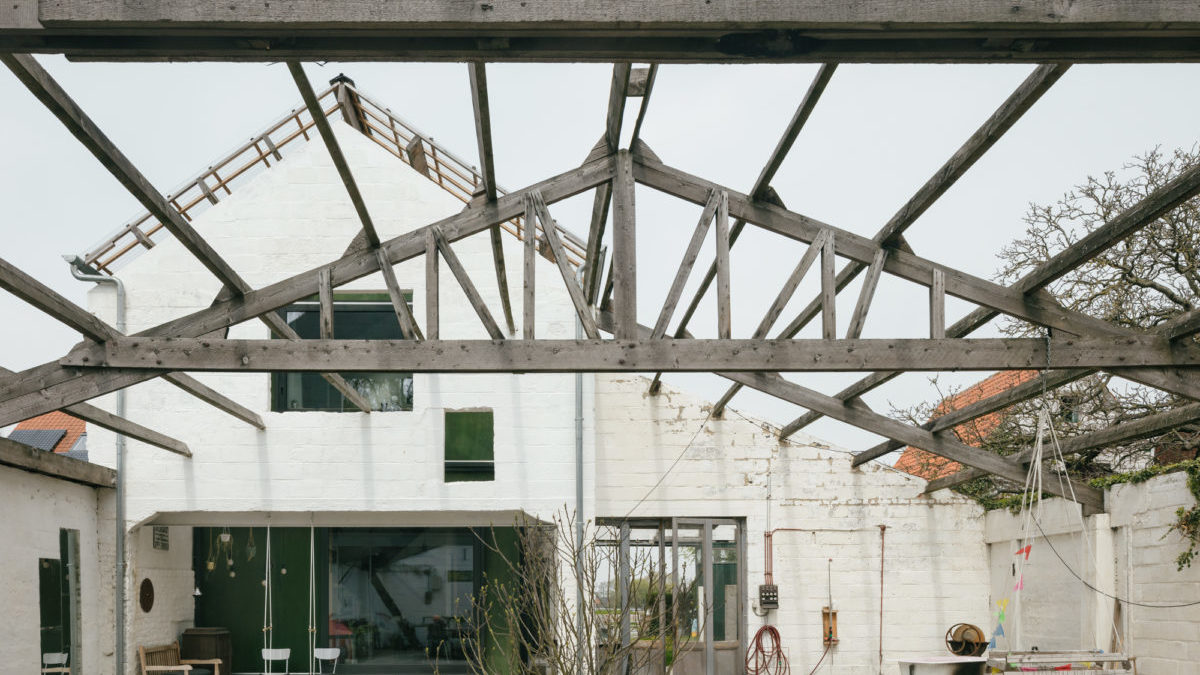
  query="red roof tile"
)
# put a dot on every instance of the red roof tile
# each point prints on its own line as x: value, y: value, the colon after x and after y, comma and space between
x: 930, y: 466
x: 74, y: 427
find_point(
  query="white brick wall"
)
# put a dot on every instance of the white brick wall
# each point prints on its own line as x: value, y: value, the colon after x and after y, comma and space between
x: 1132, y: 556
x: 935, y: 570
x: 34, y: 509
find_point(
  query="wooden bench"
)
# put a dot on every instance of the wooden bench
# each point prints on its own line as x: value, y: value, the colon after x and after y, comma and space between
x: 165, y: 659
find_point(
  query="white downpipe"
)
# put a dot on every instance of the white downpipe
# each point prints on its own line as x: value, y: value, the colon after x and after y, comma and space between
x: 78, y: 267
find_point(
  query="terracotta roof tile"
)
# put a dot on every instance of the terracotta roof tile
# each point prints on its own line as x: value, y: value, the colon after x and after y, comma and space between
x: 930, y: 466
x: 74, y: 427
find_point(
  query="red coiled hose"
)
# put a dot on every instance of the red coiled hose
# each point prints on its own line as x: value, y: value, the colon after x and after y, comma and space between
x: 765, y: 656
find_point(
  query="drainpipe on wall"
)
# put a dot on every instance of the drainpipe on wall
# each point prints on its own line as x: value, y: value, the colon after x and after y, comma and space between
x: 84, y: 272
x: 579, y: 502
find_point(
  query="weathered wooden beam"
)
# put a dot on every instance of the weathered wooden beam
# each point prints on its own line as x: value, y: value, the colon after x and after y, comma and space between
x: 432, y: 286
x: 550, y: 229
x: 334, y: 148
x: 1046, y: 381
x: 624, y: 248
x: 50, y: 386
x: 762, y: 186
x: 647, y: 88
x: 828, y: 289
x: 859, y: 318
x: 724, y: 310
x: 1146, y: 427
x: 325, y: 300
x: 685, y: 266
x: 215, y: 398
x: 47, y: 90
x: 494, y: 237
x: 1152, y: 207
x: 943, y: 445
x: 576, y: 30
x: 28, y: 458
x: 404, y: 315
x: 46, y: 299
x: 16, y: 281
x: 593, y: 271
x: 937, y: 305
x: 617, y: 95
x: 483, y: 127
x: 1035, y: 306
x: 626, y: 355
x: 119, y: 425
x: 468, y: 287
x: 772, y: 315
x: 529, y: 235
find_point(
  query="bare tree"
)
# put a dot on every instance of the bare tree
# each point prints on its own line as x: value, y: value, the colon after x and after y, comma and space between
x: 551, y: 604
x: 1145, y: 280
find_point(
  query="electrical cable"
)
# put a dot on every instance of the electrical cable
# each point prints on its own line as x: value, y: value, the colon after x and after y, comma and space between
x: 765, y: 656
x: 823, y: 655
x: 671, y: 468
x: 1107, y: 595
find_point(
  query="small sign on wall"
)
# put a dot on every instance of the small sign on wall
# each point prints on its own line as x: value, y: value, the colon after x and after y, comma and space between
x: 162, y: 537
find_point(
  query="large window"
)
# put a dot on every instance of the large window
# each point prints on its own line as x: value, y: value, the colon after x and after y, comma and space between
x: 356, y: 316
x: 470, y: 452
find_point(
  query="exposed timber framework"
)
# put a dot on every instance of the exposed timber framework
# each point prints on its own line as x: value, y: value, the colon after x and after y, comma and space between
x: 601, y: 283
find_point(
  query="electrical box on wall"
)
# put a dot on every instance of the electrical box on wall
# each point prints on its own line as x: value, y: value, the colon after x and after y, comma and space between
x: 829, y: 626
x: 768, y: 596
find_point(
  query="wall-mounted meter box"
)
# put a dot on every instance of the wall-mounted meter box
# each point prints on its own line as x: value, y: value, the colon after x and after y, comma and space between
x: 768, y: 596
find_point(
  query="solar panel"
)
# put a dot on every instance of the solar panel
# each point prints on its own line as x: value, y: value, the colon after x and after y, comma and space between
x: 42, y: 439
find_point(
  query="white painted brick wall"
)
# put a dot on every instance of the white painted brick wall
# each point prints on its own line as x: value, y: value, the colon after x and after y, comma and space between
x: 935, y: 562
x: 1137, y: 562
x: 34, y: 509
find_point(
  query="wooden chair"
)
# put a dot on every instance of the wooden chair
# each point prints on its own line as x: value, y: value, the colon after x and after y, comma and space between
x: 165, y: 659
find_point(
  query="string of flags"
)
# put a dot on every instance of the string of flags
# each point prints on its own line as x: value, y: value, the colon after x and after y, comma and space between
x: 1024, y: 551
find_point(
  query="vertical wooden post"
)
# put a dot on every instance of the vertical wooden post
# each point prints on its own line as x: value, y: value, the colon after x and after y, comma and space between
x: 937, y: 305
x: 624, y: 247
x: 828, y: 290
x: 325, y: 295
x: 431, y: 285
x: 724, y: 321
x: 529, y: 232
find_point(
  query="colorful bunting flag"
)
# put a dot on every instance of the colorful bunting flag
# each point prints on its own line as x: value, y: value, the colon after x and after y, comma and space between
x: 1003, y: 604
x: 1026, y: 550
x: 1020, y: 583
x: 992, y: 645
x: 999, y: 631
x: 1000, y: 616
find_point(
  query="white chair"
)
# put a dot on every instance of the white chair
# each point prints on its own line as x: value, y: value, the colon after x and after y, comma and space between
x: 55, y: 662
x: 323, y: 654
x: 270, y: 656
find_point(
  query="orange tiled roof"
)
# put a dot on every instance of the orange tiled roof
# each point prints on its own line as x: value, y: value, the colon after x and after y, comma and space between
x: 74, y: 427
x: 930, y: 466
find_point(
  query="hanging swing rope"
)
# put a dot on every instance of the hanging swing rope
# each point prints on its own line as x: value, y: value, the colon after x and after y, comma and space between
x: 268, y: 604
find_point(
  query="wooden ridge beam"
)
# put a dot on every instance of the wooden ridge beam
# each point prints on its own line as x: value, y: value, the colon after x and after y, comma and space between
x: 335, y: 149
x: 621, y: 355
x: 1146, y: 427
x: 761, y: 187
x: 977, y: 144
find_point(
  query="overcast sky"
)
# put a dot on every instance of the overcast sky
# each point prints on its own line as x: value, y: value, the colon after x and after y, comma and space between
x: 877, y: 135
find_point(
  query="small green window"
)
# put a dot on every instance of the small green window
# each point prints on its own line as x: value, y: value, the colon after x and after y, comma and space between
x: 470, y: 436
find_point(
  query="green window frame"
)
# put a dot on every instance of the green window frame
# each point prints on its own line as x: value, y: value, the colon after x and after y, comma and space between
x: 356, y: 315
x: 470, y: 438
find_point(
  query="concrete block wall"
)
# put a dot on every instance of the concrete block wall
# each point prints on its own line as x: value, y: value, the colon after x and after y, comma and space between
x: 34, y: 509
x: 1129, y: 552
x: 935, y: 571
